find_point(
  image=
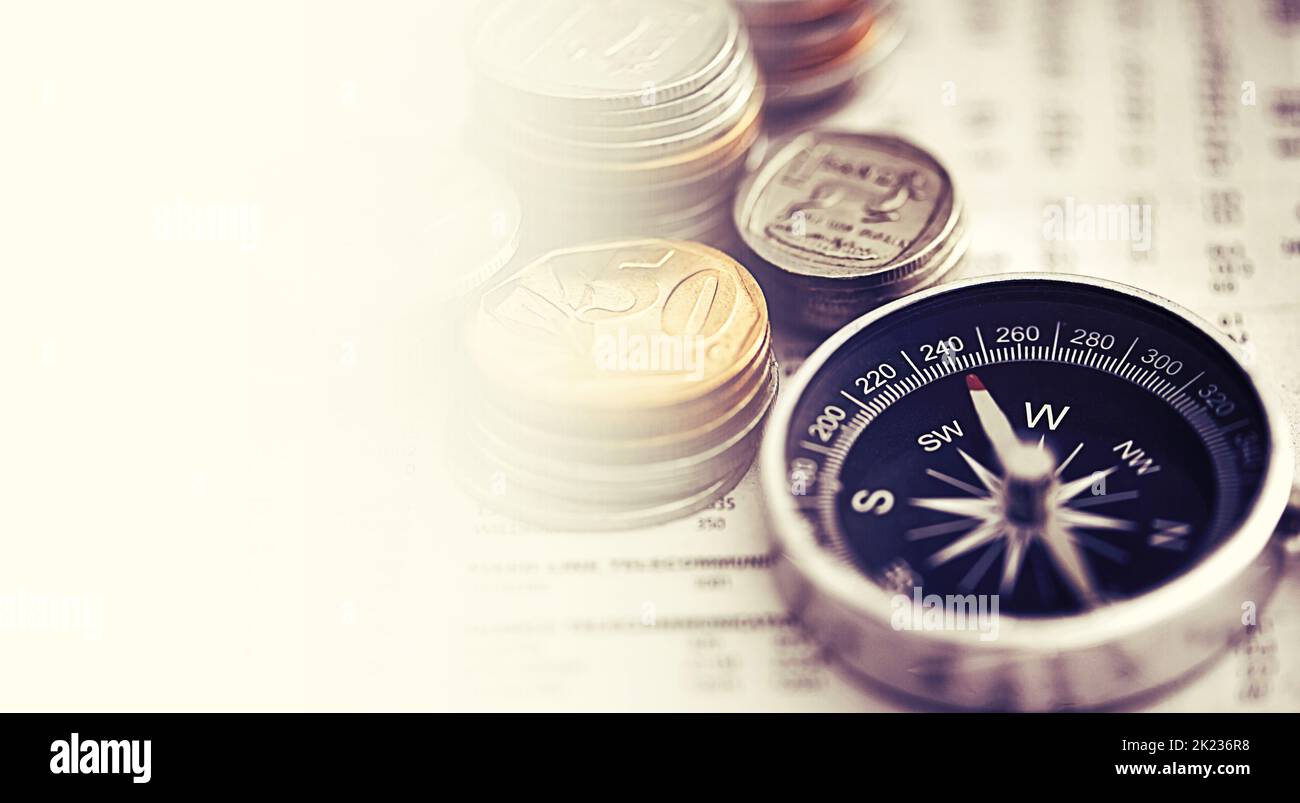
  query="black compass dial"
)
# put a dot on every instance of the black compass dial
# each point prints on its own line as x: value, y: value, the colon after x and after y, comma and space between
x: 1059, y: 444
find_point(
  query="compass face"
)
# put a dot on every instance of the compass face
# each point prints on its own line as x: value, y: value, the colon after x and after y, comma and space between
x: 1060, y: 444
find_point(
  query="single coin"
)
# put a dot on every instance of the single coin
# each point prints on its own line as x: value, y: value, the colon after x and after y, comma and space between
x: 839, y: 205
x: 620, y: 326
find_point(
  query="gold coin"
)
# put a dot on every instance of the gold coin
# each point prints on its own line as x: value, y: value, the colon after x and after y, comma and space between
x: 625, y: 327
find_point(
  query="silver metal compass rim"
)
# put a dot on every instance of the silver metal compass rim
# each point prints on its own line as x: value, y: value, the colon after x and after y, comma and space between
x: 849, y: 605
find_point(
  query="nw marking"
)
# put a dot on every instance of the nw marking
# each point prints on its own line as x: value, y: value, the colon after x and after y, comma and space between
x: 1137, y: 458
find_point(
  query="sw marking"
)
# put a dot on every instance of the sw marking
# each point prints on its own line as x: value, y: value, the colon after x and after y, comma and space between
x: 934, y: 439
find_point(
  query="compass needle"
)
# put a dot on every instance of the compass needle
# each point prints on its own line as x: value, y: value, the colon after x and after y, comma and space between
x: 994, y: 422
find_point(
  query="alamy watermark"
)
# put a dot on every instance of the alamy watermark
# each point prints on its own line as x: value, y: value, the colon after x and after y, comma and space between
x: 74, y: 614
x: 626, y: 350
x: 962, y: 612
x: 1072, y: 221
x: 181, y: 221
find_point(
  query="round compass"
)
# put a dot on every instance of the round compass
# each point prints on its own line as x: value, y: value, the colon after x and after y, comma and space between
x: 1026, y: 492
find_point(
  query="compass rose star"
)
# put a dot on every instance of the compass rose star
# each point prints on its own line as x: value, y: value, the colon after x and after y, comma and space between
x: 1027, y: 503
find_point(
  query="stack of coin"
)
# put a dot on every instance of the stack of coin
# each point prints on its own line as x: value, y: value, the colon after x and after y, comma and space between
x: 839, y: 222
x: 617, y: 117
x: 621, y: 384
x: 810, y: 50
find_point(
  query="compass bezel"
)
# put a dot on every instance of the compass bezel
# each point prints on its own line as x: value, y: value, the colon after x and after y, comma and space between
x: 1089, y: 658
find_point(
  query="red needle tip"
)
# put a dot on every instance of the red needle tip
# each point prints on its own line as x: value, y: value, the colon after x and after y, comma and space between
x: 973, y: 382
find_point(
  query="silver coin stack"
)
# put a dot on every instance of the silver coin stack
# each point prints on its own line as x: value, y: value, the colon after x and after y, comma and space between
x: 617, y: 117
x: 837, y: 223
x: 812, y: 50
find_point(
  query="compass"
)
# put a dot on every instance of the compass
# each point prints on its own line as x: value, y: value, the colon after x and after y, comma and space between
x: 1030, y: 491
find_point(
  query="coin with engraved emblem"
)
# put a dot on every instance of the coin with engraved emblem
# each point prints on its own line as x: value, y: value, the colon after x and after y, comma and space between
x: 618, y: 383
x: 842, y: 221
x: 573, y: 324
